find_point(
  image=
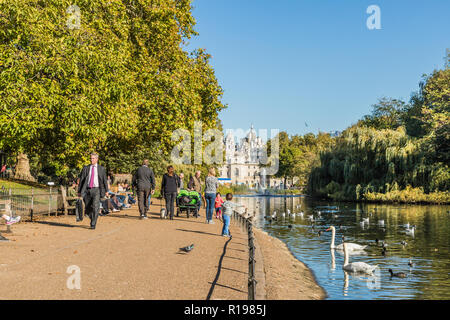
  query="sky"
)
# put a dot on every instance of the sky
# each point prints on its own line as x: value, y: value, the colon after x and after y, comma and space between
x: 286, y: 62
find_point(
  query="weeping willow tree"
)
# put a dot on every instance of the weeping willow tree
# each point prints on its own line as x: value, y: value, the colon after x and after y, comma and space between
x: 386, y: 164
x: 368, y: 161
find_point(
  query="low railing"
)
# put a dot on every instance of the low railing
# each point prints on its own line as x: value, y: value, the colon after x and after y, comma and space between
x: 29, y: 202
x: 246, y: 222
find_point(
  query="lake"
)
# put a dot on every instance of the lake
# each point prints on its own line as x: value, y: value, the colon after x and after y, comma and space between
x: 428, y: 247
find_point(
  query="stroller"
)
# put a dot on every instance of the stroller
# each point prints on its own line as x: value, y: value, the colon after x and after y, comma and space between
x: 188, y: 201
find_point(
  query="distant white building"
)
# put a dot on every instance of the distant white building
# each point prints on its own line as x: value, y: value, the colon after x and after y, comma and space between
x: 242, y: 161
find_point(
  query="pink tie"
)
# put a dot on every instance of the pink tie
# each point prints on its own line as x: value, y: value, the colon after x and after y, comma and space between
x: 91, y: 183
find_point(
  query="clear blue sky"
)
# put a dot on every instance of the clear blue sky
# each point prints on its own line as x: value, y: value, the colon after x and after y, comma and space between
x: 285, y: 62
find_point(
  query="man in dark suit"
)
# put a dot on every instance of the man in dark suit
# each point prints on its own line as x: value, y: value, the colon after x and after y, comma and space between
x: 144, y: 183
x: 93, y: 186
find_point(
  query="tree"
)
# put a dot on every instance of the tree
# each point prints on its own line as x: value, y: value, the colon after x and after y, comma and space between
x: 386, y: 114
x: 121, y: 81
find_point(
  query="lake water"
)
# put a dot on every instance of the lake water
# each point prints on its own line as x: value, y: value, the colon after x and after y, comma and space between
x: 428, y: 247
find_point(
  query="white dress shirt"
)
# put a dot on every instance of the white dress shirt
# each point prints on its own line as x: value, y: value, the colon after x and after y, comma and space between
x: 95, y: 176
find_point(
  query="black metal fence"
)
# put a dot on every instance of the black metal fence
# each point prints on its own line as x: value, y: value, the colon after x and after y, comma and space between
x: 246, y: 223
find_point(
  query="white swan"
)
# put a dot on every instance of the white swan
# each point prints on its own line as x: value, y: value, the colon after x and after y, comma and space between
x: 356, y: 267
x: 350, y: 246
x: 366, y: 220
x: 411, y: 231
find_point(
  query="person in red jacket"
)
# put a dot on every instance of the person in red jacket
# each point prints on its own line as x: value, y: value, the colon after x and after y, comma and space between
x: 218, y: 205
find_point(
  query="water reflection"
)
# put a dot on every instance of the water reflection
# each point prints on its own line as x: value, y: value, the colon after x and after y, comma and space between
x: 367, y: 224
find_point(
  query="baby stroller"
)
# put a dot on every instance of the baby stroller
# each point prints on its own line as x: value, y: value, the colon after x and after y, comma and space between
x: 188, y: 201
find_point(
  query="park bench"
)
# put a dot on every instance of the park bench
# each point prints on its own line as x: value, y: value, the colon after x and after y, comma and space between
x: 68, y: 203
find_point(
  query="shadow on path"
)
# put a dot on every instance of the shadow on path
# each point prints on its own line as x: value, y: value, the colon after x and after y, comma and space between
x: 59, y: 224
x: 201, y: 232
x: 213, y: 284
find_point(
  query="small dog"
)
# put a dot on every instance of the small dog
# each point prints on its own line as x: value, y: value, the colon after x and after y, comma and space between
x: 163, y: 213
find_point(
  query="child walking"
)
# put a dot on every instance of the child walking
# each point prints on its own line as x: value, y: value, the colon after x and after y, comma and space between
x: 228, y: 208
x: 218, y: 205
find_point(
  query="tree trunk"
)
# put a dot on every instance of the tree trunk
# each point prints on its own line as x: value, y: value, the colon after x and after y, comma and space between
x: 22, y: 170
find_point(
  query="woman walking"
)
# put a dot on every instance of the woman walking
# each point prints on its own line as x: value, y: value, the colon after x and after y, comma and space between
x: 211, y: 185
x: 169, y: 186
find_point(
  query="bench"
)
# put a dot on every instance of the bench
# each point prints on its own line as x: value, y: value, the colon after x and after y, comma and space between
x: 66, y: 206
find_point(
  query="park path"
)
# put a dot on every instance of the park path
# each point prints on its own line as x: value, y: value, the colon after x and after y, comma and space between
x: 124, y: 258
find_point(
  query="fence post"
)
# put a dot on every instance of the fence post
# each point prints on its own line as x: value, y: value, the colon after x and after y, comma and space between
x: 8, y: 227
x: 32, y: 204
x: 49, y: 201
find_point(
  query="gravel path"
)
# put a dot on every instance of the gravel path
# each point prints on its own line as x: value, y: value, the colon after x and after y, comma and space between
x: 124, y: 258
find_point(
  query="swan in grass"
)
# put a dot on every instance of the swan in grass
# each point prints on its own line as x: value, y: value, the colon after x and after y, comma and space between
x: 350, y: 246
x: 356, y: 267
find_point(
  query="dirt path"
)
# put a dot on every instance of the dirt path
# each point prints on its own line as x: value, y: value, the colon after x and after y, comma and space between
x: 124, y: 258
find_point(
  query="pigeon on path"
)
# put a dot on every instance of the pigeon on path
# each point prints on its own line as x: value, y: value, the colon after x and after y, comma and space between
x: 188, y: 248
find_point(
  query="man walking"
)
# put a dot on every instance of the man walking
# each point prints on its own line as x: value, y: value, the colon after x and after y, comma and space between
x: 144, y: 182
x: 196, y: 184
x: 93, y: 186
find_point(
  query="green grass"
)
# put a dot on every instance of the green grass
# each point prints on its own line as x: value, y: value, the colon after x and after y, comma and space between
x: 19, y: 188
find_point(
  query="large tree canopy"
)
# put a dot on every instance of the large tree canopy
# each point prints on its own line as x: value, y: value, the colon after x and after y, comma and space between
x: 118, y: 80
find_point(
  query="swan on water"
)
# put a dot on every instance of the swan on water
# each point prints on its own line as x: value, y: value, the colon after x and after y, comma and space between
x: 350, y: 246
x: 356, y: 267
x: 411, y: 231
